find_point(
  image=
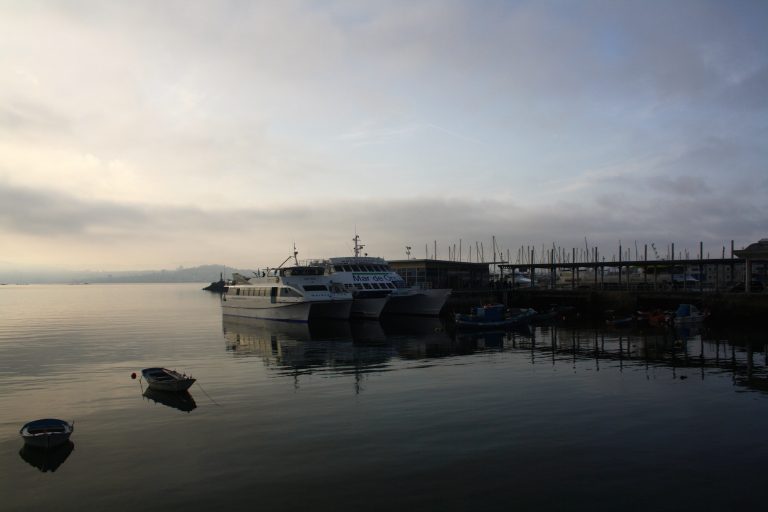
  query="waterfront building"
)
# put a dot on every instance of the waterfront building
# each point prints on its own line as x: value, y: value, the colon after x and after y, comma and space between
x: 457, y: 275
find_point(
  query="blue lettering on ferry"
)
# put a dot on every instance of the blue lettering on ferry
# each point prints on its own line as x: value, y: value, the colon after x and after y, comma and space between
x: 367, y: 278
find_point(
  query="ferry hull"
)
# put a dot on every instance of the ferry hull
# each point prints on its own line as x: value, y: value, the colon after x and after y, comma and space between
x: 422, y: 302
x: 368, y: 307
x: 333, y: 310
x: 291, y: 312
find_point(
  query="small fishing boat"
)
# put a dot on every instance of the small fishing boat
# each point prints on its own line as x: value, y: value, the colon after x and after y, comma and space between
x: 163, y: 379
x: 688, y: 314
x: 46, y: 433
x: 492, y: 315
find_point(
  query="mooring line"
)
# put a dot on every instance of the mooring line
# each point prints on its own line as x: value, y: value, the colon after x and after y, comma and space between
x: 209, y: 396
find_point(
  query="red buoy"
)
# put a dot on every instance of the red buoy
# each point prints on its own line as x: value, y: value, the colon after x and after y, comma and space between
x: 133, y: 375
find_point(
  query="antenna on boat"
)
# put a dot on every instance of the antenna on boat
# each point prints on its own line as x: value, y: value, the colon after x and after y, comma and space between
x: 295, y: 253
x: 358, y: 245
x: 408, y: 252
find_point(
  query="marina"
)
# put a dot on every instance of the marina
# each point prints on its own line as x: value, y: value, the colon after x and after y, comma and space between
x: 533, y: 271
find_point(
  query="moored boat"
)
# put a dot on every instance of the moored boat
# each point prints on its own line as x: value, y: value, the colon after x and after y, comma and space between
x: 377, y: 289
x: 293, y: 294
x: 414, y: 300
x: 163, y: 379
x: 46, y: 433
x: 491, y: 316
x: 687, y: 314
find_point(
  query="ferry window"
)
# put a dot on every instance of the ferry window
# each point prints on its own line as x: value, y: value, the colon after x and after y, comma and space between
x: 338, y: 268
x: 347, y: 268
x: 358, y: 286
x: 375, y: 286
x: 315, y: 288
x: 237, y: 291
x: 367, y: 286
x: 288, y: 292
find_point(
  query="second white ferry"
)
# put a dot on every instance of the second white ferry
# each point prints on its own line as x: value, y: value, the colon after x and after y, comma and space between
x: 378, y: 289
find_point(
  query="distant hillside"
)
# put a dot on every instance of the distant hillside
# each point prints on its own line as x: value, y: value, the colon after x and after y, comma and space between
x: 201, y: 274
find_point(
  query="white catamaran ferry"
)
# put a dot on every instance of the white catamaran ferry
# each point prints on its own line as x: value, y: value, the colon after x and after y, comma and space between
x: 376, y: 288
x: 296, y: 294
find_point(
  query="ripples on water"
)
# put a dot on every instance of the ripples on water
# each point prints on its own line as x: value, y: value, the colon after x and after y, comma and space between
x: 399, y: 413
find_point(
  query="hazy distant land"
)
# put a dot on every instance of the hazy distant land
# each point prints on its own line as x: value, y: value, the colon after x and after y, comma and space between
x: 201, y: 274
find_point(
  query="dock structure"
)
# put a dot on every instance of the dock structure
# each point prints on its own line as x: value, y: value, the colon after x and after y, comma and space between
x: 619, y: 275
x: 694, y: 274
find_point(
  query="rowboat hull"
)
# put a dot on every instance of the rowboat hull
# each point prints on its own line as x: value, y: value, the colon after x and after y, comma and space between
x: 162, y: 379
x: 46, y: 433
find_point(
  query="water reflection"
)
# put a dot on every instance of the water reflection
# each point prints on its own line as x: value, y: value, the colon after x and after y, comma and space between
x: 47, y: 460
x: 292, y: 348
x: 362, y: 347
x: 682, y: 349
x: 181, y: 400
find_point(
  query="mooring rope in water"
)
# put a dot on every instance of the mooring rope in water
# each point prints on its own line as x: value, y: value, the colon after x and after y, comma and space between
x: 206, y: 394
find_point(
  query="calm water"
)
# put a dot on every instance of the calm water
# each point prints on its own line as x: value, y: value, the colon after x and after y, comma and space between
x: 370, y: 415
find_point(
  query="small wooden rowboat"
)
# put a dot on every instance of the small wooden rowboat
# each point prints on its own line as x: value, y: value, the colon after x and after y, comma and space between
x: 163, y: 379
x: 46, y: 433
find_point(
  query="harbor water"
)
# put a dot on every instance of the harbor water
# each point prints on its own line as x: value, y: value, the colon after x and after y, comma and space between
x: 403, y: 413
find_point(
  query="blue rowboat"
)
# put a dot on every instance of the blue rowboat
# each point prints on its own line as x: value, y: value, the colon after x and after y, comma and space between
x: 46, y: 433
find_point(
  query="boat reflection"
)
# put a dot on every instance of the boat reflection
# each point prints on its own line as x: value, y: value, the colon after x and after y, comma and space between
x: 341, y: 347
x: 181, y: 400
x: 308, y: 347
x: 364, y: 347
x: 47, y: 460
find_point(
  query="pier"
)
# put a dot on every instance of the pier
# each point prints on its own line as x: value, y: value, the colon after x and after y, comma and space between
x: 712, y: 274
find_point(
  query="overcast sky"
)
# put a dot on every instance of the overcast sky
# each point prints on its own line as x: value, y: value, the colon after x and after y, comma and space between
x: 154, y: 134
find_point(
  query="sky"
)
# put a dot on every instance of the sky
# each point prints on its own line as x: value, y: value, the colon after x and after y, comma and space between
x: 156, y: 134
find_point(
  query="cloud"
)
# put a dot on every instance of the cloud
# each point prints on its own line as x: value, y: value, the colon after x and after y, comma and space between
x: 199, y: 128
x: 55, y: 215
x: 150, y: 236
x: 688, y: 186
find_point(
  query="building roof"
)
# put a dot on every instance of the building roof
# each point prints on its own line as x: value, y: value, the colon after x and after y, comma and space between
x: 757, y: 250
x: 443, y: 263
